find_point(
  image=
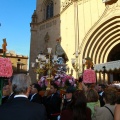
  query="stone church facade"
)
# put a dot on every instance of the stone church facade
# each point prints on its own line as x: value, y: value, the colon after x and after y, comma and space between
x: 89, y: 27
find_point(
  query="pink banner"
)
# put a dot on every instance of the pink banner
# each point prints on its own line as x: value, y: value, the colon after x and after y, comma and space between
x: 89, y: 76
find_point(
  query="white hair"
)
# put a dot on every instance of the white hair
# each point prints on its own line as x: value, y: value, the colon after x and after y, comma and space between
x: 20, y: 83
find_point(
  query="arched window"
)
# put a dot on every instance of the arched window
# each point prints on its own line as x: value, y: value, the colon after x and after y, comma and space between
x: 49, y: 10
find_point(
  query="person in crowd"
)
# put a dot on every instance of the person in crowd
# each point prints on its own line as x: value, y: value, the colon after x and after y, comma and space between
x: 107, y: 111
x: 12, y: 94
x: 80, y: 86
x: 101, y: 94
x: 35, y: 96
x: 5, y: 93
x: 117, y: 107
x: 67, y: 99
x: 92, y: 100
x: 52, y: 102
x: 117, y: 112
x: 20, y: 108
x: 8, y: 94
x: 78, y: 109
x: 117, y: 97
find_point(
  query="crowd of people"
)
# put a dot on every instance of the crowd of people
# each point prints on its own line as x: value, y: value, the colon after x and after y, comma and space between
x: 22, y: 101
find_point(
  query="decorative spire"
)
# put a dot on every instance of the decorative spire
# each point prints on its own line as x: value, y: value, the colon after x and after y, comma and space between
x: 34, y: 17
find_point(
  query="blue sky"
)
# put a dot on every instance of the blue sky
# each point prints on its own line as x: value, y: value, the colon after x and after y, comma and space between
x: 15, y: 18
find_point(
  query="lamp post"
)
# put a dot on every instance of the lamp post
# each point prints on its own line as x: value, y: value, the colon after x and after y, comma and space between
x: 75, y: 65
x: 49, y: 69
x: 104, y: 69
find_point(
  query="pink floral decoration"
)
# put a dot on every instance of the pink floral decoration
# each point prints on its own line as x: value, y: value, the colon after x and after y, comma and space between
x: 43, y: 82
x: 89, y: 76
x: 5, y: 67
x: 64, y: 80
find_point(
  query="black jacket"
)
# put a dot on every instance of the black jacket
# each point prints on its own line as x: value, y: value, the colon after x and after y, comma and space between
x: 21, y: 108
x: 52, y: 104
x: 36, y: 98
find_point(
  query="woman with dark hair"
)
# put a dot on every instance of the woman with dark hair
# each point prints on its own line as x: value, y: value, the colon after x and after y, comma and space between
x: 78, y: 109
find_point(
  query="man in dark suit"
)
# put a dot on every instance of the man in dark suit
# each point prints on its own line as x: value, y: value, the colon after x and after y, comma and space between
x: 35, y: 96
x: 53, y: 102
x: 101, y: 94
x: 20, y: 108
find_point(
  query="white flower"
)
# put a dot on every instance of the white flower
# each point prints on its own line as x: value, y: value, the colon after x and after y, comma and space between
x: 70, y: 81
x: 75, y: 85
x: 59, y: 80
x: 42, y: 79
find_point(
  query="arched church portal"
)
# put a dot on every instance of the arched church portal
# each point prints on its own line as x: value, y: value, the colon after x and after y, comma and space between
x: 103, y: 45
